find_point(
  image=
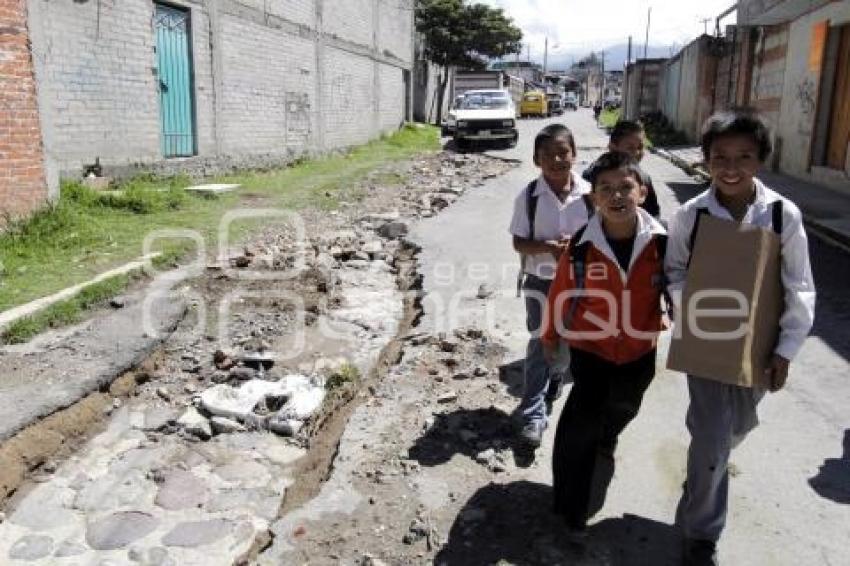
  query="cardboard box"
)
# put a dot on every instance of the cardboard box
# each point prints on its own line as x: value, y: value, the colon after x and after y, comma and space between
x: 735, y: 272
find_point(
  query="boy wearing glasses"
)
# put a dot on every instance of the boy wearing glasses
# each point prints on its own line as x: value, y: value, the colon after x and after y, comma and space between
x: 605, y: 303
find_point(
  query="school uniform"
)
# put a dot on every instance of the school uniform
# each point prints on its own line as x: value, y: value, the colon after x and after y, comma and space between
x: 720, y: 415
x: 612, y: 354
x: 553, y: 220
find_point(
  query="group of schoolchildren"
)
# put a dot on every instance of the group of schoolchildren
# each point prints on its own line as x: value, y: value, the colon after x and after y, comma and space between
x: 594, y: 243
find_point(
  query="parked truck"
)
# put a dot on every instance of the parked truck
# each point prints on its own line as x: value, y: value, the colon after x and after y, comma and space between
x: 463, y: 82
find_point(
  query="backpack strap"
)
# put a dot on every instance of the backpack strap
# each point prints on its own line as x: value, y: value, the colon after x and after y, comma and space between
x: 702, y: 211
x: 588, y: 204
x: 531, y: 207
x: 578, y: 259
x: 661, y: 249
x: 776, y: 211
x: 531, y: 211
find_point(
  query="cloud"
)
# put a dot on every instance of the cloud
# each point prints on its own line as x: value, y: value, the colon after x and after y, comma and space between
x: 582, y: 26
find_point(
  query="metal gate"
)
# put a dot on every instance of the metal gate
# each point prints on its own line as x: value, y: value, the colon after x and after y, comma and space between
x: 174, y: 62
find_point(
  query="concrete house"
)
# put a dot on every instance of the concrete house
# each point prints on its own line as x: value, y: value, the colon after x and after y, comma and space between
x: 789, y: 59
x: 799, y: 52
x: 193, y: 85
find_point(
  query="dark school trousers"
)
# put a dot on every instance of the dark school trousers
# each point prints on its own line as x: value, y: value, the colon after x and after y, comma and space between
x: 605, y: 397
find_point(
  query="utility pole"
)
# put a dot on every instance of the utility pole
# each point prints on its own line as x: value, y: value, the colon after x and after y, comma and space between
x: 705, y: 25
x: 626, y: 79
x: 545, y: 57
x: 602, y: 87
x: 646, y: 41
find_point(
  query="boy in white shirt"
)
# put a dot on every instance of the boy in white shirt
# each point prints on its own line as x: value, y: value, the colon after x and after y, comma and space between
x: 735, y: 144
x: 541, y: 226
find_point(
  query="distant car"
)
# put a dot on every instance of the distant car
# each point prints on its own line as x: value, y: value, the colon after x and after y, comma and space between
x: 555, y: 104
x: 534, y: 104
x: 485, y: 115
x: 570, y: 101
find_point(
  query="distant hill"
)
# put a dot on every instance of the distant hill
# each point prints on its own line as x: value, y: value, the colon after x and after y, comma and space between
x: 615, y: 55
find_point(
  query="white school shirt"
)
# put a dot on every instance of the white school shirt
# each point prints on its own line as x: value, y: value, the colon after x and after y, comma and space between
x: 796, y: 322
x: 553, y: 220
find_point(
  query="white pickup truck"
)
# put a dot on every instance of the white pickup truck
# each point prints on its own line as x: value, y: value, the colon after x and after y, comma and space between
x: 484, y: 115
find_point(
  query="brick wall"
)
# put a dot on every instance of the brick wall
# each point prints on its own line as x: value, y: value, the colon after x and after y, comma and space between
x: 273, y: 79
x: 22, y: 180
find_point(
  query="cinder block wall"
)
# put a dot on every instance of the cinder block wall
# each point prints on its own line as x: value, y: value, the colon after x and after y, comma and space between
x: 22, y: 180
x: 273, y: 80
x: 768, y: 75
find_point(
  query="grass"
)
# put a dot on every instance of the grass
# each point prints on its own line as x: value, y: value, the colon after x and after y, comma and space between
x: 88, y: 232
x: 660, y: 133
x: 345, y: 374
x: 65, y: 312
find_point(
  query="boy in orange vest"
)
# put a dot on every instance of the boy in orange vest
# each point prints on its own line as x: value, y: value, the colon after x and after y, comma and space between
x: 605, y: 303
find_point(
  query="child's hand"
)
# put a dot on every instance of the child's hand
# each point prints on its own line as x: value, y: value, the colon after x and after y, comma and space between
x: 776, y: 372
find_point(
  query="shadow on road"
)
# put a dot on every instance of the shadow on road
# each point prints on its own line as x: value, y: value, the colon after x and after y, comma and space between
x: 831, y: 270
x: 473, y: 146
x: 511, y: 374
x: 468, y: 432
x: 514, y: 523
x: 686, y: 191
x: 833, y: 479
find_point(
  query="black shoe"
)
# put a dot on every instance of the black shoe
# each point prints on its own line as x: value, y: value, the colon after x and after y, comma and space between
x: 700, y: 553
x: 531, y: 433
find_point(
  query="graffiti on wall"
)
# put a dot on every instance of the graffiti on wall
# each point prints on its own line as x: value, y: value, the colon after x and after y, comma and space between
x: 805, y: 97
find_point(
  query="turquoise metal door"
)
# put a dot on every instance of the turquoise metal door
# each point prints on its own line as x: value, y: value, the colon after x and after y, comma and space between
x: 174, y: 61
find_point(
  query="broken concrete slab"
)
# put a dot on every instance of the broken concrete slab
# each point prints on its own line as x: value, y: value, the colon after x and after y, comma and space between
x: 57, y: 370
x: 303, y: 397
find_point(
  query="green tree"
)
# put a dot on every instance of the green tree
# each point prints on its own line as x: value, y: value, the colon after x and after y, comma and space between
x: 463, y: 35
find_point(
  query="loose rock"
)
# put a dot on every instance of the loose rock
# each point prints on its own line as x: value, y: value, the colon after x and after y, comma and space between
x: 448, y: 397
x: 195, y: 424
x: 393, y: 230
x: 222, y: 425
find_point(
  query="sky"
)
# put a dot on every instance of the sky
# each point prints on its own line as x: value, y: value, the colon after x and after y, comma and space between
x: 574, y: 26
